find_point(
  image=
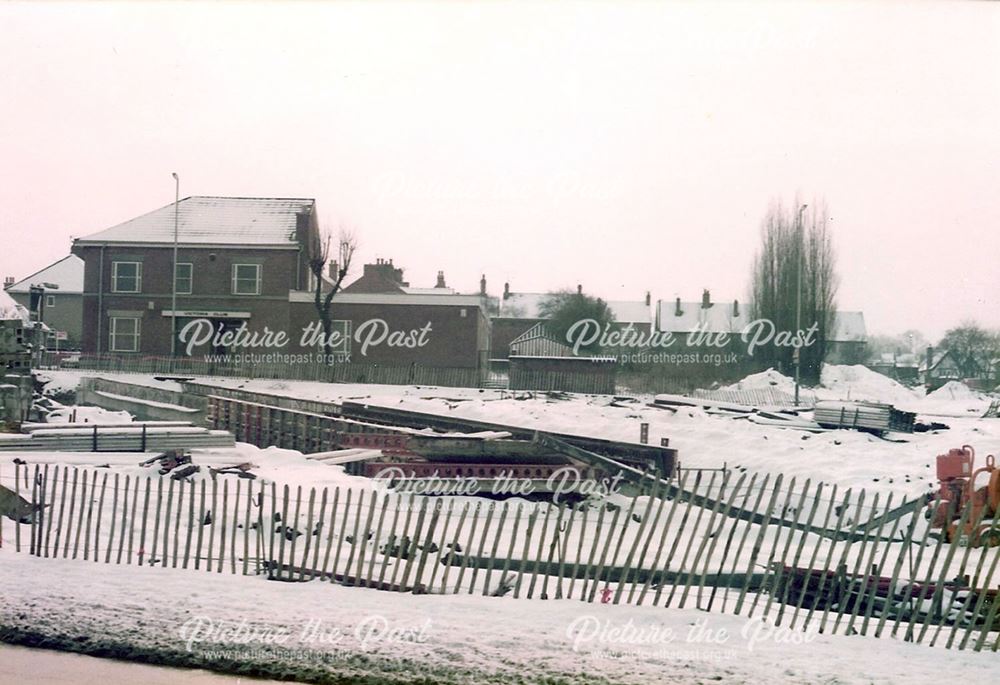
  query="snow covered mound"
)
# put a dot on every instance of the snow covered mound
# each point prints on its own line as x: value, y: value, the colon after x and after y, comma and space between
x: 764, y: 380
x: 858, y: 382
x: 956, y: 390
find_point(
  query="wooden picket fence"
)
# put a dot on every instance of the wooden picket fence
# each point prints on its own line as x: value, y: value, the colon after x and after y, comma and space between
x: 810, y: 556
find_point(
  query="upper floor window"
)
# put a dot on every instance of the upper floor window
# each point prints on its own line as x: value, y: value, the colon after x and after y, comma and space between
x: 185, y: 278
x: 50, y: 301
x: 126, y: 277
x: 246, y: 279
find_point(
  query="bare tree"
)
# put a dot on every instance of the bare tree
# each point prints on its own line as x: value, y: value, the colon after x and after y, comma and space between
x: 326, y: 286
x: 776, y: 284
x: 974, y: 349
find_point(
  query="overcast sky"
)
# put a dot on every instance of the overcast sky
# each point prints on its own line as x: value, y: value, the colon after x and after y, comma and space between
x: 627, y: 147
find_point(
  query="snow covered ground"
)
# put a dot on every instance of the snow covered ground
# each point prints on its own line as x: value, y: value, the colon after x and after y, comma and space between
x: 904, y: 464
x: 309, y: 631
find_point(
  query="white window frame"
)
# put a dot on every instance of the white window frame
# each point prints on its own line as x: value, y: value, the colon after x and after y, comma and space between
x: 190, y: 278
x: 114, y: 277
x: 235, y: 280
x: 50, y: 301
x: 114, y: 335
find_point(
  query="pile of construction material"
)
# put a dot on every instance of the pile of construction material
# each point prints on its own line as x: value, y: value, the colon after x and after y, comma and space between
x: 867, y: 416
x: 150, y: 436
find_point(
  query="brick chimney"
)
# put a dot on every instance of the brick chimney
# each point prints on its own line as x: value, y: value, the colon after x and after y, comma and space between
x: 706, y: 299
x: 677, y: 307
x: 579, y: 289
x: 8, y: 281
x: 333, y: 268
x: 482, y: 285
x: 385, y: 268
x: 647, y: 298
x: 506, y: 290
x: 440, y: 281
x: 736, y: 307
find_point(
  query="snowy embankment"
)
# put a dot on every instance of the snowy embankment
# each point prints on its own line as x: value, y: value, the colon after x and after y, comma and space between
x: 319, y: 632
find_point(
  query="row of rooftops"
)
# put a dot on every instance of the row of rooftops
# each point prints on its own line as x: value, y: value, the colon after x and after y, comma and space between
x: 243, y: 222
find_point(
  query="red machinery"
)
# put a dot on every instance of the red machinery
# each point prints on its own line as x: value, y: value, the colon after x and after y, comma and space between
x: 957, y: 475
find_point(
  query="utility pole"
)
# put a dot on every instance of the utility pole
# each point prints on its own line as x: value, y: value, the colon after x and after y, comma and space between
x: 798, y: 304
x: 173, y: 284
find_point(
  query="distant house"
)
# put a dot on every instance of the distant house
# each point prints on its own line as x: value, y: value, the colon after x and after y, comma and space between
x: 845, y: 340
x: 682, y: 318
x: 238, y: 258
x: 939, y: 367
x: 520, y: 312
x: 902, y: 366
x: 59, y: 298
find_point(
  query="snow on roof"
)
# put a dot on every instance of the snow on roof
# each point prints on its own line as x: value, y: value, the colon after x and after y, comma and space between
x: 848, y: 327
x: 528, y: 306
x: 629, y: 311
x: 67, y: 273
x: 213, y: 221
x: 429, y: 291
x: 718, y: 317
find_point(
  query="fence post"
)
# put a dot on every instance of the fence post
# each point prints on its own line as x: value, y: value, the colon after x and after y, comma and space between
x: 100, y: 512
x: 424, y: 550
x: 369, y: 580
x: 114, y: 520
x: 82, y: 515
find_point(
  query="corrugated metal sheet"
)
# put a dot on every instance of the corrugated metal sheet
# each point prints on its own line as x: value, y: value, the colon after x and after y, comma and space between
x: 537, y: 342
x: 213, y: 220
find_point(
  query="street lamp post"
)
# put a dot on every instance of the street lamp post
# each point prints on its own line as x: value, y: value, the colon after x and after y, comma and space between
x: 173, y: 285
x: 798, y: 303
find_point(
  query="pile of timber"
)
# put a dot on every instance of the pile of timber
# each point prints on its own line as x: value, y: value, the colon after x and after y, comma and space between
x: 867, y: 416
x: 134, y: 437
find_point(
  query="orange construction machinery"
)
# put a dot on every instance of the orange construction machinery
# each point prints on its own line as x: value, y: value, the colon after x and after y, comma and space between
x: 952, y: 512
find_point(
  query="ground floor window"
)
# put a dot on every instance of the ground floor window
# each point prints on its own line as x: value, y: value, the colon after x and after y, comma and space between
x: 124, y: 334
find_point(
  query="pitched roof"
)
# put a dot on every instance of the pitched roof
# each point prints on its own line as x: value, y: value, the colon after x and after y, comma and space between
x: 719, y: 317
x: 67, y: 273
x: 204, y: 220
x: 630, y: 311
x: 716, y: 318
x: 528, y: 305
x: 848, y: 327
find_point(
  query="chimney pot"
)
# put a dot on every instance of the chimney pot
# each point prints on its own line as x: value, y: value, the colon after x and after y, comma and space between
x: 647, y: 298
x: 482, y: 285
x: 579, y: 289
x: 677, y: 307
x: 736, y: 307
x: 506, y: 290
x: 706, y: 299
